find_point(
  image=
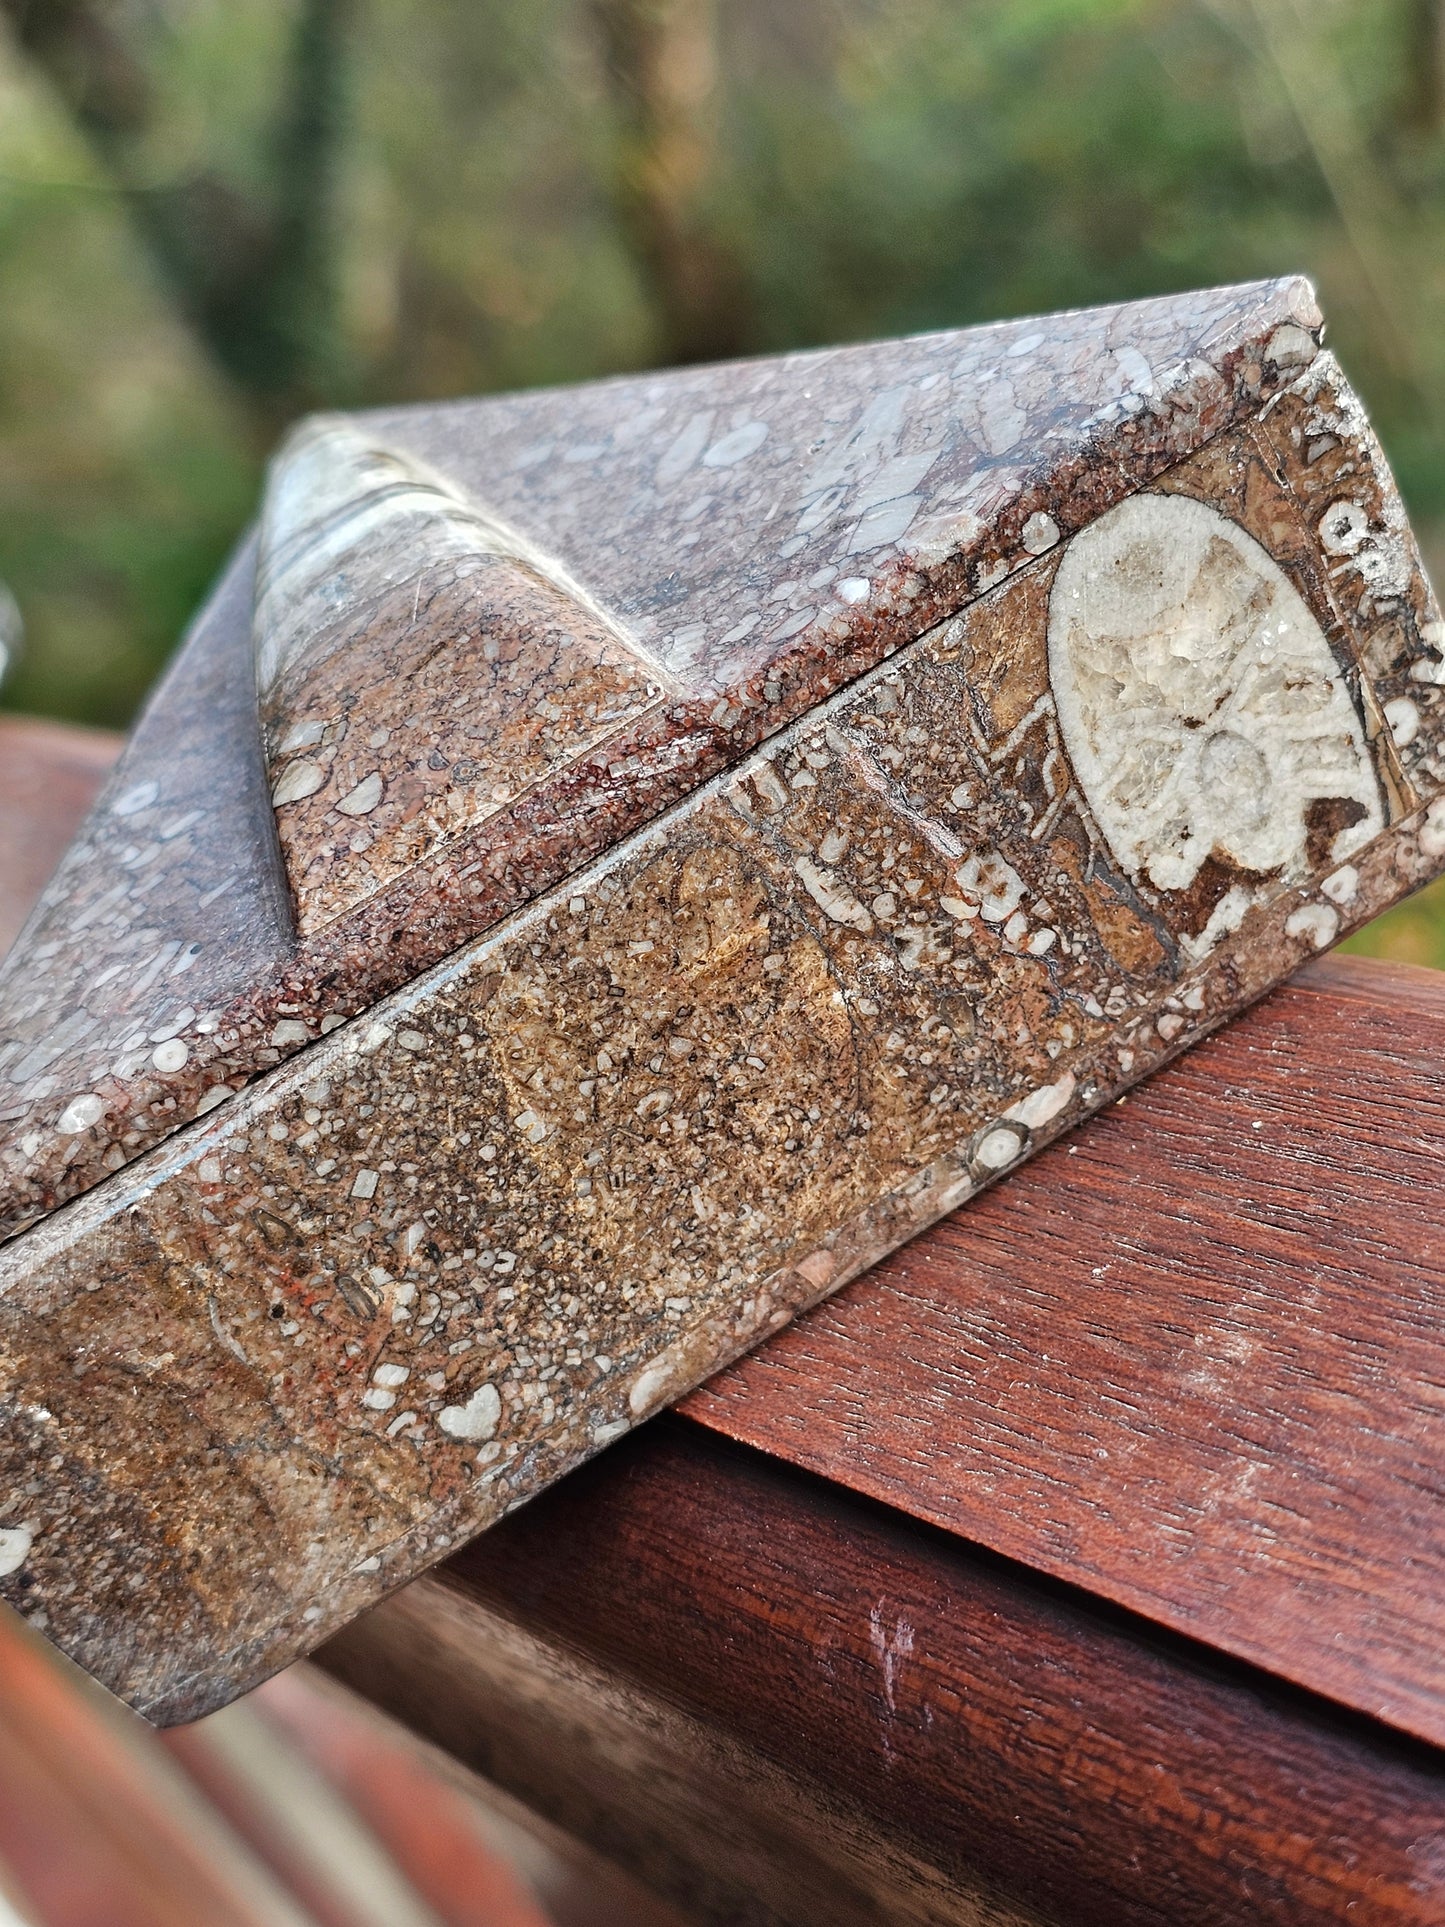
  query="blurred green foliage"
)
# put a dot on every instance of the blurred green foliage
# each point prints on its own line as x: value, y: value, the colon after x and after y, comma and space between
x: 239, y: 208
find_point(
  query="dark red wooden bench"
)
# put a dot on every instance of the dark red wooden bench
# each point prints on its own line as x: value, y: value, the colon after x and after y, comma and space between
x: 1085, y: 1562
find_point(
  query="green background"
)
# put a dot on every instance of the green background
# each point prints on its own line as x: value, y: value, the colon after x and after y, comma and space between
x: 217, y: 213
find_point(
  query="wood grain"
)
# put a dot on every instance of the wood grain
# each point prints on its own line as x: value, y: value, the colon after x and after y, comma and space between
x: 97, y: 1827
x: 1193, y: 1360
x: 781, y: 1703
x: 1231, y: 1286
x: 777, y: 1703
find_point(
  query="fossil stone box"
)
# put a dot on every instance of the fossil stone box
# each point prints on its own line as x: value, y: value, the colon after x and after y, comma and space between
x: 609, y: 864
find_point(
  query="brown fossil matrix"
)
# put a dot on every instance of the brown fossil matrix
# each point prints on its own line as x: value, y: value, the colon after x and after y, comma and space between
x: 1100, y: 685
x: 453, y: 723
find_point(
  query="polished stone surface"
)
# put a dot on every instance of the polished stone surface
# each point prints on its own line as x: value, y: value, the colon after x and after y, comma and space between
x: 1140, y: 707
x: 761, y: 532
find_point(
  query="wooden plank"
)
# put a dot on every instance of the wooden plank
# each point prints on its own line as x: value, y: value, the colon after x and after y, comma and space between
x: 476, y: 1856
x: 777, y: 1703
x: 348, y: 1814
x: 49, y: 774
x: 97, y: 1827
x: 881, y: 1705
x: 1259, y: 1354
x: 1195, y: 1361
x: 453, y: 1249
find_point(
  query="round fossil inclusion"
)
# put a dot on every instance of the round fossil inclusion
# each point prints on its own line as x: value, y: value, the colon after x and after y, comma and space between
x: 1201, y: 705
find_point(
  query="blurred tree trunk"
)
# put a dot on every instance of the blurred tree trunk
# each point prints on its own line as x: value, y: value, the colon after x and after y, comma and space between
x: 1425, y: 54
x: 662, y: 64
x: 254, y: 276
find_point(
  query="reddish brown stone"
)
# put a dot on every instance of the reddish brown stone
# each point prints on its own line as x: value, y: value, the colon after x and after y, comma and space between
x: 1161, y: 720
x: 905, y: 472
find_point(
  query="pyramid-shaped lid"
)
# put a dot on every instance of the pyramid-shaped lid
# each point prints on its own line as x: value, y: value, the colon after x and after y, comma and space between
x: 493, y: 637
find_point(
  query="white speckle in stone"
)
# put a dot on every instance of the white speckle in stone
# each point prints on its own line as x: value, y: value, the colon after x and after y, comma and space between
x: 412, y: 1040
x: 994, y: 885
x: 1200, y: 703
x: 1042, y: 1106
x: 377, y: 1399
x: 364, y: 1185
x: 532, y: 1127
x: 605, y: 1434
x: 1404, y: 719
x: 223, y: 1335
x: 296, y: 782
x: 1170, y: 1025
x: 1224, y: 919
x: 685, y: 448
x: 1040, y: 534
x: 998, y: 1148
x: 834, y: 847
x: 300, y: 736
x: 217, y: 1094
x: 650, y: 1385
x: 171, y: 1055
x: 477, y: 1419
x: 392, y: 1375
x: 138, y: 797
x: 832, y: 897
x: 1136, y: 370
x: 209, y: 1170
x: 1343, y: 527
x: 1317, y: 921
x: 1343, y: 886
x: 364, y: 798
x: 1291, y: 346
x: 1041, y: 942
x: 1432, y: 830
x: 287, y: 1033
x: 793, y: 625
x: 15, y: 1544
x: 80, y: 1114
x: 854, y: 588
x: 883, y: 524
x: 737, y: 446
